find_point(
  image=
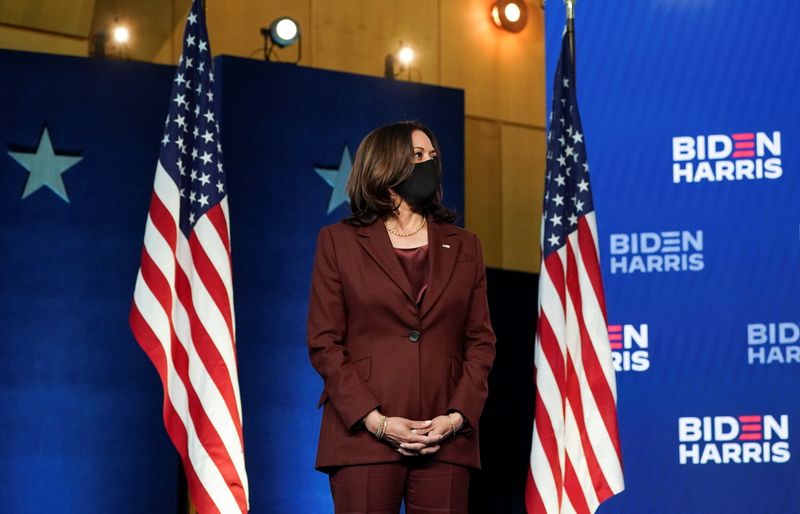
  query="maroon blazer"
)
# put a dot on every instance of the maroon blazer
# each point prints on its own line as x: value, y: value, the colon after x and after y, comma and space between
x: 374, y: 347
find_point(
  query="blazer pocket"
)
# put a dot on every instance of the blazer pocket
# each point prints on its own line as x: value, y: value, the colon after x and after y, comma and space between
x: 455, y: 370
x: 363, y: 367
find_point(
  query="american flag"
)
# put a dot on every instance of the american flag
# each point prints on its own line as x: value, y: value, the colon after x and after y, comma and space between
x: 182, y: 313
x: 575, y: 459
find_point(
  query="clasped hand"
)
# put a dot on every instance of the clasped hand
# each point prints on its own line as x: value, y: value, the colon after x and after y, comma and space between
x: 412, y: 437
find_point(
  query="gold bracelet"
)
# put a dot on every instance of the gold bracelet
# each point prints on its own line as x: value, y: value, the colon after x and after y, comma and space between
x: 381, y: 428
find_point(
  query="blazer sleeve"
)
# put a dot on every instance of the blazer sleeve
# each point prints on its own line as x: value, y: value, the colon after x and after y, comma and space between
x: 325, y: 331
x: 470, y: 393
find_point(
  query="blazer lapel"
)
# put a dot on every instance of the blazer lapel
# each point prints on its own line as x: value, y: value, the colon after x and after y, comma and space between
x: 443, y: 250
x: 376, y: 242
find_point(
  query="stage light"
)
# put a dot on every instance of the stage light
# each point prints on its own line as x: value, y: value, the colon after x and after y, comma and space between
x: 405, y: 55
x: 118, y: 35
x: 512, y: 12
x: 399, y: 61
x: 510, y: 15
x: 121, y: 34
x: 284, y: 31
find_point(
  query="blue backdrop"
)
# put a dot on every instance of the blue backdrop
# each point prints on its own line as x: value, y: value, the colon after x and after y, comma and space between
x: 680, y: 100
x: 79, y: 401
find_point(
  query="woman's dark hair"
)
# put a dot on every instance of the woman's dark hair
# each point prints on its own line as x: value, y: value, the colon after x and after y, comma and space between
x: 384, y: 159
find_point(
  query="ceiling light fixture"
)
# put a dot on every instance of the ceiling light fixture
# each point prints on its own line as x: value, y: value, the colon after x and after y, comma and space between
x: 282, y: 32
x: 510, y: 15
x: 399, y: 61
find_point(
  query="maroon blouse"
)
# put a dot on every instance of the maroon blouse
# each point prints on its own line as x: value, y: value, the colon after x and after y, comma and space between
x: 414, y: 262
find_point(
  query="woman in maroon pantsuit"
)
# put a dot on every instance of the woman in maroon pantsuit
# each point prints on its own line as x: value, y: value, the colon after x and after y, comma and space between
x: 399, y: 330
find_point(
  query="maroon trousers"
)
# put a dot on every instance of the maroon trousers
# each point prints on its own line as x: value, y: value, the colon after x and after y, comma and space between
x: 427, y: 486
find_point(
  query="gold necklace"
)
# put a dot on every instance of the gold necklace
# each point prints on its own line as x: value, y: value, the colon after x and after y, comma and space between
x: 424, y: 220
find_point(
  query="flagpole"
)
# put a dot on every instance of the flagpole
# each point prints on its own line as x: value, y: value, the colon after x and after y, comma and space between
x: 570, y: 5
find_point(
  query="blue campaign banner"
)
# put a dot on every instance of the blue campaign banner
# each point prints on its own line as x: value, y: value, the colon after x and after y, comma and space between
x: 690, y: 119
x: 79, y: 400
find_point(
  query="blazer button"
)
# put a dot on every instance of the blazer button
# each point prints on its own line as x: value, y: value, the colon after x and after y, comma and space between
x: 414, y: 336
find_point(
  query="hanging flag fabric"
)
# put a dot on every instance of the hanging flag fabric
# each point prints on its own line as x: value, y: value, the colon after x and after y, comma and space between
x: 182, y: 313
x: 575, y: 461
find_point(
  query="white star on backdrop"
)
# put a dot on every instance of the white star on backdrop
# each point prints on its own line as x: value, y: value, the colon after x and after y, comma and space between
x: 45, y: 167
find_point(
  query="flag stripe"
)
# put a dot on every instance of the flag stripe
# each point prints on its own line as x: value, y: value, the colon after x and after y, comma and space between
x: 587, y: 243
x: 555, y: 271
x: 599, y: 381
x: 594, y: 314
x: 213, y: 229
x: 167, y: 191
x: 555, y: 359
x: 208, y: 271
x: 580, y: 396
x: 576, y: 483
x: 574, y: 490
x: 217, y: 218
x: 546, y: 436
x: 208, y: 334
x: 533, y: 500
x: 220, y: 219
x: 576, y: 405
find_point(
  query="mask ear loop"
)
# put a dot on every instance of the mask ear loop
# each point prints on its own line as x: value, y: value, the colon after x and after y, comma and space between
x: 395, y: 208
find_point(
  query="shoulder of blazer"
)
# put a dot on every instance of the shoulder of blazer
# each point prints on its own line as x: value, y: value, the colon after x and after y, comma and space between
x: 463, y: 234
x: 455, y: 230
x: 341, y: 231
x: 340, y: 227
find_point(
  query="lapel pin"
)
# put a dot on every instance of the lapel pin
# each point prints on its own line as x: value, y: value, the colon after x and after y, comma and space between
x: 445, y: 246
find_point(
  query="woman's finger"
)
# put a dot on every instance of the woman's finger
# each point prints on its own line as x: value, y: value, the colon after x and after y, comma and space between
x: 429, y: 450
x: 436, y: 436
x: 414, y: 438
x: 413, y: 446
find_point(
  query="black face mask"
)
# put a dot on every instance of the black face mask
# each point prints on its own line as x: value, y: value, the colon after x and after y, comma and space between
x: 422, y: 184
